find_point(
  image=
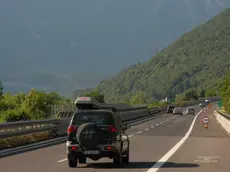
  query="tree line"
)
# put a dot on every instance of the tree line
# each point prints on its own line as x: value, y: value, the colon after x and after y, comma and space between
x: 31, y: 106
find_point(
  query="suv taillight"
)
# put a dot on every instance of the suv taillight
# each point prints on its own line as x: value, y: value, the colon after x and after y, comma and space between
x: 112, y: 129
x: 71, y: 129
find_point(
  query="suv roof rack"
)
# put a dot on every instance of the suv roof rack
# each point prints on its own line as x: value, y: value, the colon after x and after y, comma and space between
x: 90, y: 103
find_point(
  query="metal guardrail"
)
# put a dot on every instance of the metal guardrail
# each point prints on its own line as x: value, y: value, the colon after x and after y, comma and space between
x: 28, y: 127
x: 58, y: 126
x: 224, y: 115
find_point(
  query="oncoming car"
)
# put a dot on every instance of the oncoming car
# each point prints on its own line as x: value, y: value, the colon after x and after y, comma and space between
x: 97, y: 133
x: 190, y: 110
x: 177, y: 110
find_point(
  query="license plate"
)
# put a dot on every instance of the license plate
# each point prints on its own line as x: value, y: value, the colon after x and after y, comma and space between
x: 91, y: 152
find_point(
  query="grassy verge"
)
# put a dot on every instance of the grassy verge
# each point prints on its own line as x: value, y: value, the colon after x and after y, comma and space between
x: 25, y: 139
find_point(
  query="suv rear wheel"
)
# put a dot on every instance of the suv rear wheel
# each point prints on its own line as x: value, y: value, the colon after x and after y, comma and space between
x: 117, y: 160
x: 72, y: 163
x: 125, y: 159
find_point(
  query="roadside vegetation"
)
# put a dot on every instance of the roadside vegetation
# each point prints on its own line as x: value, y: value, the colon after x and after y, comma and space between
x: 31, y: 106
x: 225, y: 94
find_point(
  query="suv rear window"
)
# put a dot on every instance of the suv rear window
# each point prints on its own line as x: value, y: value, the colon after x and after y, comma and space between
x: 99, y: 118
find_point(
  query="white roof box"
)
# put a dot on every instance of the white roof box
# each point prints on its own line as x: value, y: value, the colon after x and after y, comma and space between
x: 86, y: 103
x: 83, y: 100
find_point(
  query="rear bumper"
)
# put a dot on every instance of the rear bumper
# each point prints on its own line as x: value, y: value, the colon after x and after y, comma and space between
x: 102, y: 153
x: 177, y: 112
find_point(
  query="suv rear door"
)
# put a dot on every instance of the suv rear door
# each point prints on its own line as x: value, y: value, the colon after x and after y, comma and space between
x: 103, y: 119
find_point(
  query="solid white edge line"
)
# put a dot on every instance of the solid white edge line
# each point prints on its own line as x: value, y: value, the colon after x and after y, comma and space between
x: 164, y: 159
x: 62, y: 160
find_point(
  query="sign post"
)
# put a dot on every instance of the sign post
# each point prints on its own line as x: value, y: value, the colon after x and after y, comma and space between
x: 209, y: 105
x: 205, y: 120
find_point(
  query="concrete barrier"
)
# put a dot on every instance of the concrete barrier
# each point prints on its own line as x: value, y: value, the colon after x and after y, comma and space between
x: 223, y: 119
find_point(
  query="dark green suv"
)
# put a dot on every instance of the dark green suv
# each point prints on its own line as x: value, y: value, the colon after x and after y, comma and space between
x: 97, y: 133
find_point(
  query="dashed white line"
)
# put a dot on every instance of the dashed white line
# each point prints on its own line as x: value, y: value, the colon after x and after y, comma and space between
x: 152, y: 126
x: 157, y: 124
x: 130, y: 135
x: 146, y: 129
x: 62, y: 160
x: 165, y: 158
x: 139, y: 132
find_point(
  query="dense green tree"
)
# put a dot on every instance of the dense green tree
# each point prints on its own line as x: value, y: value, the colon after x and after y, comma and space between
x: 210, y: 93
x: 192, y: 94
x: 138, y: 98
x: 201, y: 92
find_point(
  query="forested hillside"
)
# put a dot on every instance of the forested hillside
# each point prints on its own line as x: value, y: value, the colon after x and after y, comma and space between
x: 198, y: 59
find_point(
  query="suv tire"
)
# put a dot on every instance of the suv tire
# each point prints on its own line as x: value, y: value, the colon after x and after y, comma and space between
x: 126, y: 158
x: 117, y: 160
x: 72, y: 163
x: 82, y: 160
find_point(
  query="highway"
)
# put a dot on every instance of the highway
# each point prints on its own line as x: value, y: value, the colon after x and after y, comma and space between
x: 165, y: 144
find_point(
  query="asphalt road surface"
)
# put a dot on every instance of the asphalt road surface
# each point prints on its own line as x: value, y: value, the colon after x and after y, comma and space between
x: 168, y: 143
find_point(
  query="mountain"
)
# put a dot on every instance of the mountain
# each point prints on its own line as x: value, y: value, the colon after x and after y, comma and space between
x: 198, y: 59
x: 87, y: 36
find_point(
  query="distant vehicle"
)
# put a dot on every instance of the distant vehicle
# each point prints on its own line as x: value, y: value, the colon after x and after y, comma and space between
x: 207, y: 102
x: 202, y: 105
x: 190, y: 110
x: 170, y: 108
x: 96, y: 133
x: 177, y: 110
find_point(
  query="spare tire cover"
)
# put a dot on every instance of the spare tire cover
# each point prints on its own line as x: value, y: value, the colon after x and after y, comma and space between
x: 89, y: 135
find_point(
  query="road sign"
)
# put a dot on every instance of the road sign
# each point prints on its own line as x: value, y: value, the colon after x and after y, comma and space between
x: 205, y: 120
x: 220, y: 103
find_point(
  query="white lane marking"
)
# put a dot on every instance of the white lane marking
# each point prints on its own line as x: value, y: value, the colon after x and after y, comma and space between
x: 160, y: 122
x: 62, y: 160
x: 164, y: 159
x: 146, y: 129
x: 130, y: 135
x: 139, y: 132
x: 157, y: 124
x: 152, y: 126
